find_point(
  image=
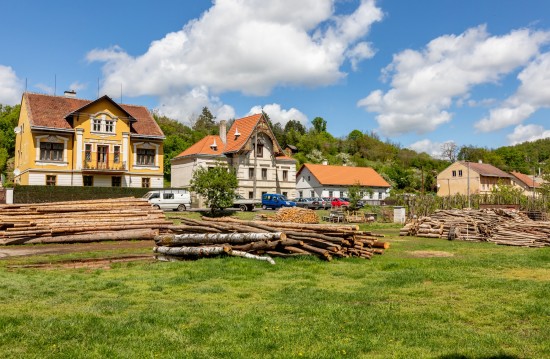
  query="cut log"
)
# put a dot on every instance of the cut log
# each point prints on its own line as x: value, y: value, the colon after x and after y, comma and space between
x: 215, y: 238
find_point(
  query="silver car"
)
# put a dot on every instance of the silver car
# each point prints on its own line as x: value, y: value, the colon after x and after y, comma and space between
x: 310, y: 203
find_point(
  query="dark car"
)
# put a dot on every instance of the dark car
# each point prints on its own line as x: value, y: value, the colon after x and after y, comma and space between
x: 360, y: 203
x: 338, y: 202
x: 310, y: 203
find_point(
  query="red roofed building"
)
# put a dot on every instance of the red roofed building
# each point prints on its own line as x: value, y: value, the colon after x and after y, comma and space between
x: 314, y: 180
x: 465, y: 178
x: 527, y: 183
x: 251, y: 149
x: 66, y: 141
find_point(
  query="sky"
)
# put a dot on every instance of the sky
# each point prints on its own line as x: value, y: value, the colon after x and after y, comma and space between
x: 416, y: 73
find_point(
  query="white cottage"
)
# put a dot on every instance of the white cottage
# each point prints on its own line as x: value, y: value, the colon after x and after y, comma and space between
x: 251, y: 149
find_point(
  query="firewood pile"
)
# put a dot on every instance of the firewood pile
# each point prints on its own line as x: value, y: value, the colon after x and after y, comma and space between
x: 265, y: 239
x: 294, y: 215
x: 80, y: 221
x: 501, y: 226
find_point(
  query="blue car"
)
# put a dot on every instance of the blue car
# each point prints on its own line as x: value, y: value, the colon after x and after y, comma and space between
x: 271, y: 200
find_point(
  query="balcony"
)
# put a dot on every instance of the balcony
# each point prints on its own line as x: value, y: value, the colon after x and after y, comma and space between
x: 103, y: 167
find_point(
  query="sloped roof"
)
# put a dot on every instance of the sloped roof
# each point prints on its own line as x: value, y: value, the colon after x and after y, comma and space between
x: 345, y: 176
x: 204, y: 147
x: 525, y: 179
x: 486, y: 169
x: 52, y: 112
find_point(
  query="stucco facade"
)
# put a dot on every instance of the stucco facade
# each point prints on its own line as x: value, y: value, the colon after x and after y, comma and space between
x: 470, y: 178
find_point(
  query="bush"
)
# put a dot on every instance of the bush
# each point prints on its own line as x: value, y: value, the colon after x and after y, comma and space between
x: 44, y: 194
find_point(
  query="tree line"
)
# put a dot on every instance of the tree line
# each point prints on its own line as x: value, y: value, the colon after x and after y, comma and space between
x: 406, y: 170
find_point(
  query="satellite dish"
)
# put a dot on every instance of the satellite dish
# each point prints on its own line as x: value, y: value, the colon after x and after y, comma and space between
x: 17, y: 129
x: 16, y: 172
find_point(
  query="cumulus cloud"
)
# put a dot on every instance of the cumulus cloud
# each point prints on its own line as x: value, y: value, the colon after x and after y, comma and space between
x: 248, y: 46
x: 429, y: 147
x: 425, y: 83
x: 11, y: 87
x: 527, y: 133
x: 532, y: 94
x: 278, y: 115
x: 77, y: 86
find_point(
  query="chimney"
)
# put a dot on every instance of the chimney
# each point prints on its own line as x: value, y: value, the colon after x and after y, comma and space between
x: 223, y: 131
x: 70, y: 94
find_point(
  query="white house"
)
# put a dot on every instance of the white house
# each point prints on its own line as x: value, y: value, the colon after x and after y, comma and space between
x: 333, y: 181
x: 251, y: 149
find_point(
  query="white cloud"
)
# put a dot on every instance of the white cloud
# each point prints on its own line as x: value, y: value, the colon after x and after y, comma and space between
x: 429, y: 147
x: 45, y: 88
x: 532, y: 94
x: 249, y: 46
x: 77, y: 86
x: 11, y: 87
x: 278, y: 115
x: 425, y: 83
x: 527, y: 133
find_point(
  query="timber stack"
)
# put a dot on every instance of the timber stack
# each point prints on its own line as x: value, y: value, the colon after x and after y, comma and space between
x: 292, y: 214
x: 265, y: 239
x: 80, y: 221
x: 500, y: 226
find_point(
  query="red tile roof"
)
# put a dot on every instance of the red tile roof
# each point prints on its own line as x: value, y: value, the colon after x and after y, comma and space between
x: 528, y: 181
x: 52, y: 111
x: 345, y: 176
x: 486, y: 169
x: 204, y: 147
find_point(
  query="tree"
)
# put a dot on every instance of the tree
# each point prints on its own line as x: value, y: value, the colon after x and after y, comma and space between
x: 9, y: 116
x: 216, y: 184
x: 449, y: 150
x: 354, y: 194
x: 319, y: 124
x: 205, y: 123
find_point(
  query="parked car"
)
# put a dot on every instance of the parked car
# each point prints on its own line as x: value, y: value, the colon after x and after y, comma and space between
x: 324, y: 203
x: 244, y: 204
x: 360, y: 203
x: 338, y: 202
x: 169, y: 199
x: 275, y: 200
x: 310, y: 203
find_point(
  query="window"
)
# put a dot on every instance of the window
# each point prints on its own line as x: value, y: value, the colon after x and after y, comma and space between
x: 167, y: 195
x: 96, y: 125
x: 285, y: 175
x: 312, y: 193
x: 309, y: 178
x: 109, y: 126
x: 103, y: 125
x: 116, y: 154
x: 88, y: 152
x: 264, y: 173
x: 250, y: 195
x: 88, y: 181
x: 251, y: 173
x: 459, y: 173
x: 330, y: 193
x: 260, y: 151
x: 454, y: 173
x: 51, y: 151
x: 116, y: 181
x: 300, y: 194
x: 146, y: 183
x: 145, y: 156
x: 102, y: 154
x: 51, y: 180
x: 285, y: 194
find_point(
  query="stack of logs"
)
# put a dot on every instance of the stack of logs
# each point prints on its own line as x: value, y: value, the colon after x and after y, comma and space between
x: 295, y: 215
x: 80, y: 221
x: 501, y: 226
x: 274, y: 239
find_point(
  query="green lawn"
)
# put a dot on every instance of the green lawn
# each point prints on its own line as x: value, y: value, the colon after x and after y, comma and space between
x: 426, y: 298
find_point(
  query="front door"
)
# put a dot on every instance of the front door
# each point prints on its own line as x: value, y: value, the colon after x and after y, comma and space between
x: 102, y: 156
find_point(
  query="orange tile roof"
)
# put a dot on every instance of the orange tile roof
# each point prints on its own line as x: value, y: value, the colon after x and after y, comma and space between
x: 204, y: 147
x: 486, y: 169
x: 526, y: 179
x: 51, y: 111
x: 345, y: 176
x: 246, y: 126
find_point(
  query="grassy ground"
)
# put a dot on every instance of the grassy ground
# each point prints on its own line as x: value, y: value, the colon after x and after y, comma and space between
x: 426, y: 298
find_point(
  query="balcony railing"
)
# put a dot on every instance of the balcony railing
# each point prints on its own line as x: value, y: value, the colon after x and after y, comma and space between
x: 89, y: 166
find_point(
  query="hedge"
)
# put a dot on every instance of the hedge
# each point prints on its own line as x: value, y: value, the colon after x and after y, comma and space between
x: 42, y: 194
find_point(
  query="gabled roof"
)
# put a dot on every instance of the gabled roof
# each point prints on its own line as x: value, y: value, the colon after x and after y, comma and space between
x: 204, y: 147
x: 53, y: 112
x: 345, y: 176
x: 485, y: 169
x: 526, y: 180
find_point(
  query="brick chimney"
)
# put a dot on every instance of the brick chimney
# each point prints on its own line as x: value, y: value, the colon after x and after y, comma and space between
x: 223, y: 131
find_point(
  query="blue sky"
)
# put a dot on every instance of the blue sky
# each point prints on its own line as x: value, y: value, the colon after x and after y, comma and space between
x: 419, y: 73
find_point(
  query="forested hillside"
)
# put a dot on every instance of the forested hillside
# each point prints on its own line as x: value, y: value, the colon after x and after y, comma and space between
x: 405, y: 169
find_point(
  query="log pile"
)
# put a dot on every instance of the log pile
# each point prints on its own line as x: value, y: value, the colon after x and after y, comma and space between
x: 294, y: 215
x: 501, y: 226
x: 80, y: 221
x: 265, y: 239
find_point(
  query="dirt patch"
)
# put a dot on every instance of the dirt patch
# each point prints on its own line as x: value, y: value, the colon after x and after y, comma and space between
x: 430, y: 254
x: 92, y: 263
x: 33, y: 250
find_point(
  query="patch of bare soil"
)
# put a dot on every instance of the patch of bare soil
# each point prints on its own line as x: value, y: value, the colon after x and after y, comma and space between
x: 32, y: 250
x: 429, y: 254
x: 91, y: 263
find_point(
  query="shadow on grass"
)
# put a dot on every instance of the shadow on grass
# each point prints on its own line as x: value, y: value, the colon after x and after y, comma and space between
x: 461, y: 356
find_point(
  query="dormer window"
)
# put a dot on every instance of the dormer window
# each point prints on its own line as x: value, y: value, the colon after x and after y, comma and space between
x: 237, y: 133
x: 214, y: 146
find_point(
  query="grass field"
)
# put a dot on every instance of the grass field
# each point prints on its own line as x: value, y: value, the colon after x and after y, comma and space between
x: 424, y: 298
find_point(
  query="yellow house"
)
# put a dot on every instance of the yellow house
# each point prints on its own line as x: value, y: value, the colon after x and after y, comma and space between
x: 66, y: 141
x: 463, y: 177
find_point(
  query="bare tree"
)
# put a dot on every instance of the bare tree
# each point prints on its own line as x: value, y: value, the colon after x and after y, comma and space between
x: 449, y: 150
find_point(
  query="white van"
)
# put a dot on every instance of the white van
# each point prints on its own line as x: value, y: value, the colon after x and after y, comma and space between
x: 169, y: 199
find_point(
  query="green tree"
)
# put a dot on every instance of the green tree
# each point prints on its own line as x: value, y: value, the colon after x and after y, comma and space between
x: 319, y: 124
x: 354, y: 194
x: 9, y: 117
x: 205, y: 123
x: 216, y: 184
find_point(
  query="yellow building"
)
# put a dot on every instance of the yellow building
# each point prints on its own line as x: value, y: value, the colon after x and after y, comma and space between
x: 470, y: 177
x: 66, y: 141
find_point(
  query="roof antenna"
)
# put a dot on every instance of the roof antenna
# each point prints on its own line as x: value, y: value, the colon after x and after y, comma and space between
x: 54, y: 84
x: 98, y: 87
x: 121, y: 92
